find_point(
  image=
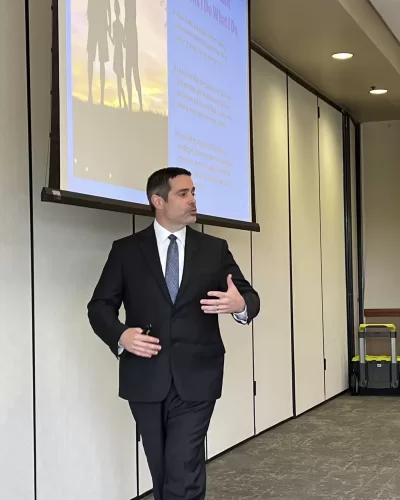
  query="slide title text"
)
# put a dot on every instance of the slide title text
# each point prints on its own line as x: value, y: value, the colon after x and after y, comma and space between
x: 214, y: 11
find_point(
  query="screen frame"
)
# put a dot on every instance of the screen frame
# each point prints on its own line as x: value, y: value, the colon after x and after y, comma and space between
x: 52, y: 192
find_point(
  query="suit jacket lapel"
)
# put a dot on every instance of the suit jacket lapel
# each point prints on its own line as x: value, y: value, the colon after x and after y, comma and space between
x: 149, y: 248
x: 191, y: 248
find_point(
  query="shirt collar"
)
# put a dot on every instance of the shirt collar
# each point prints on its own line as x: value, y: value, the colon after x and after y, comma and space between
x: 162, y: 234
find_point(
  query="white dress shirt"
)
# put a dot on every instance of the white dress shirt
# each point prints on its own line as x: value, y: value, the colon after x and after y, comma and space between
x: 163, y: 241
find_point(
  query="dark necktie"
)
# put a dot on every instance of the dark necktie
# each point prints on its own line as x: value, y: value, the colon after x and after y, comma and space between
x: 172, y: 268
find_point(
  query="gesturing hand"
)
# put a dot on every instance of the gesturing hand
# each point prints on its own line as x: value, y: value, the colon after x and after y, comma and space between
x: 135, y: 342
x: 229, y: 302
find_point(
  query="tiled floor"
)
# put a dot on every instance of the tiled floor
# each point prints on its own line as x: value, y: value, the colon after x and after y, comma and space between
x: 347, y: 449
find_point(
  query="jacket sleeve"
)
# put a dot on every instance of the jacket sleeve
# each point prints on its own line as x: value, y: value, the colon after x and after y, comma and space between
x: 103, y: 308
x: 250, y: 296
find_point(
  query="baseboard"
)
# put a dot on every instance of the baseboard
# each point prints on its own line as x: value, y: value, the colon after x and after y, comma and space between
x: 322, y: 403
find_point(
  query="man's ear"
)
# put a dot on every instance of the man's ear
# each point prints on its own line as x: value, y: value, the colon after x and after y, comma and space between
x: 157, y: 201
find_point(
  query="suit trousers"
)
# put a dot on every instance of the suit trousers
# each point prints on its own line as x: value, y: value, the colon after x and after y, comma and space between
x: 173, y: 434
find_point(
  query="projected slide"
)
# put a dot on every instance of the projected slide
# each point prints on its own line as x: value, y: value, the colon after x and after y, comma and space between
x: 146, y: 84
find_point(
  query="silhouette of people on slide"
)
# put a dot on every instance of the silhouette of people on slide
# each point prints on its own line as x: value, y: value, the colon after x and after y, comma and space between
x: 118, y: 38
x: 99, y: 25
x: 132, y: 52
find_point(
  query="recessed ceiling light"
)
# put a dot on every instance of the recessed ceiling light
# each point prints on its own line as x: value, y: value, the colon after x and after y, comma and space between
x: 342, y: 56
x: 375, y: 91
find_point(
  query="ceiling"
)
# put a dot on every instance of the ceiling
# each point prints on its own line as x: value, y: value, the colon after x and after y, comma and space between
x: 389, y: 11
x: 303, y: 34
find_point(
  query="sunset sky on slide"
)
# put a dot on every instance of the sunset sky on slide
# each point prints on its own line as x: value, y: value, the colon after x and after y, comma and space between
x: 152, y: 40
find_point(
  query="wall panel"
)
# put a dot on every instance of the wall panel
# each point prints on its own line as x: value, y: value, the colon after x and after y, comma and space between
x: 85, y: 433
x: 271, y: 257
x: 333, y: 250
x: 233, y: 419
x: 16, y: 403
x: 306, y: 248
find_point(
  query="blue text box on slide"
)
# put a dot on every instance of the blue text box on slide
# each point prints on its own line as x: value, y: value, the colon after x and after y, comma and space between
x: 208, y: 95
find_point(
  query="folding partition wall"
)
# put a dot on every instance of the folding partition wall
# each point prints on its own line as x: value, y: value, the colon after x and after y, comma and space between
x: 70, y: 435
x: 298, y: 148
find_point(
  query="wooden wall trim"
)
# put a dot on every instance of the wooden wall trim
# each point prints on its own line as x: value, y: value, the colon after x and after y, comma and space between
x: 381, y: 313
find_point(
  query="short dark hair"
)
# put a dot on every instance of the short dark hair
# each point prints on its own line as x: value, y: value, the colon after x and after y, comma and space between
x: 158, y: 182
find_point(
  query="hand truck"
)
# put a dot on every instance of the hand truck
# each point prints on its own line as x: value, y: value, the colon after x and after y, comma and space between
x: 375, y: 372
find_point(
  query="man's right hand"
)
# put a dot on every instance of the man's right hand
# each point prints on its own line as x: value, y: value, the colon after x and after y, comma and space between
x: 134, y: 341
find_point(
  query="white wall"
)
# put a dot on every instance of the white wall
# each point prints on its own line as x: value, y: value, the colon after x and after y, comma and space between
x: 306, y: 248
x: 86, y: 439
x: 333, y: 249
x: 233, y: 419
x: 85, y: 434
x: 381, y: 213
x: 271, y: 258
x: 16, y: 404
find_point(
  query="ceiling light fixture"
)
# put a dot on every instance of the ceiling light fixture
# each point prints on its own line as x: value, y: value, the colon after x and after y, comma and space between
x: 342, y: 56
x: 375, y: 91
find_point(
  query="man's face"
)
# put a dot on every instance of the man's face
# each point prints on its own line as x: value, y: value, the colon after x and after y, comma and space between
x: 180, y: 208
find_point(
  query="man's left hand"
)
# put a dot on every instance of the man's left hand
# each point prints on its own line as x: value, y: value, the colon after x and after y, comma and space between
x: 229, y: 302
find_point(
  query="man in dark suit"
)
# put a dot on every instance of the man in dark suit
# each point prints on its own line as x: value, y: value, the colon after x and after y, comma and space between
x: 178, y: 280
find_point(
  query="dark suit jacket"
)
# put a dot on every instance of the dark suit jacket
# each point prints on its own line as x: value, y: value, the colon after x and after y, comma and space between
x: 192, y: 349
